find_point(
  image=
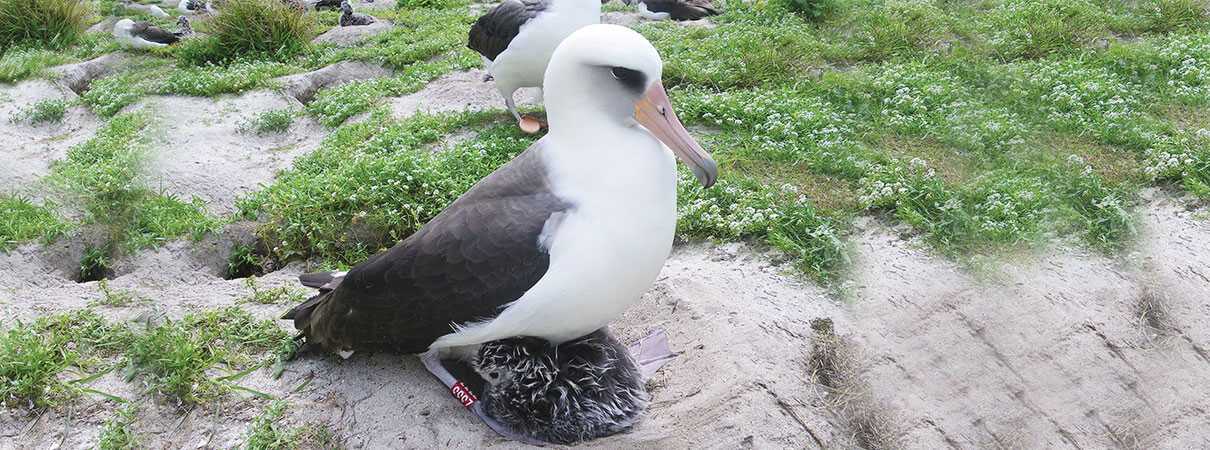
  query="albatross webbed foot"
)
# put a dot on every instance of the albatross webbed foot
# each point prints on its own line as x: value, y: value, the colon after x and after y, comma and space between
x: 651, y: 353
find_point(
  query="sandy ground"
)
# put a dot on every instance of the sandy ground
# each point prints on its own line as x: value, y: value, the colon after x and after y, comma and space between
x: 29, y: 149
x: 1059, y: 349
x: 201, y: 152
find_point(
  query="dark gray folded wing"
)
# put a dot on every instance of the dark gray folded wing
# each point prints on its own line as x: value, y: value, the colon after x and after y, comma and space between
x: 491, y: 34
x: 152, y: 34
x: 476, y: 256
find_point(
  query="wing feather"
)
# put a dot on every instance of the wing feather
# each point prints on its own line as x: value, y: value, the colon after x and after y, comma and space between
x: 152, y: 34
x: 478, y: 255
x: 491, y: 34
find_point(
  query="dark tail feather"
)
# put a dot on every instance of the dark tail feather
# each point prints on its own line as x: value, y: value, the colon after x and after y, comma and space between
x: 301, y: 314
x: 315, y: 280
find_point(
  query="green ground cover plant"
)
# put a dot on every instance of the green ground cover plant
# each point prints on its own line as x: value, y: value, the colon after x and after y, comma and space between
x: 51, y: 111
x: 272, y: 121
x: 266, y: 295
x: 50, y: 361
x: 155, y: 76
x: 115, y: 297
x: 385, y: 185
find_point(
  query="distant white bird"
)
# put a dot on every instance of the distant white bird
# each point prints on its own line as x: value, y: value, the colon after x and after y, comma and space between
x: 194, y: 7
x: 157, y: 12
x: 348, y: 18
x: 517, y: 37
x: 139, y: 35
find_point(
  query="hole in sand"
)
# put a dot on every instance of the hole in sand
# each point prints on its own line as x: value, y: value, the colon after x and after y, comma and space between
x: 96, y: 265
x: 245, y: 261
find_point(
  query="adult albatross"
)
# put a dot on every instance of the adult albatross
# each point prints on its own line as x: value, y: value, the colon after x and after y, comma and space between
x: 554, y: 244
x: 517, y: 37
x: 131, y: 34
x: 675, y: 9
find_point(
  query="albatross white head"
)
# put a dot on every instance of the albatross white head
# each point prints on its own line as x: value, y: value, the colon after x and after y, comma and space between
x: 603, y: 78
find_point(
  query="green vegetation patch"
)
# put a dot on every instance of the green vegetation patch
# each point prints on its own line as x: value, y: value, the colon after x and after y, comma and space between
x: 49, y: 361
x: 419, y: 35
x: 53, y: 23
x: 375, y: 182
x: 336, y: 105
x: 152, y: 76
x: 266, y: 295
x: 117, y: 432
x: 44, y: 111
x: 21, y: 220
x: 268, y: 431
x: 29, y: 61
x: 32, y: 355
x: 102, y: 179
x: 174, y: 358
x: 250, y: 29
x: 272, y: 121
x: 115, y: 297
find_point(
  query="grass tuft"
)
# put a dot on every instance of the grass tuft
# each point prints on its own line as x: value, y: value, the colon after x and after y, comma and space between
x: 114, y: 297
x: 266, y: 432
x: 21, y: 220
x: 116, y: 432
x: 33, y: 354
x: 272, y: 295
x: 173, y: 358
x: 52, y: 23
x: 253, y: 28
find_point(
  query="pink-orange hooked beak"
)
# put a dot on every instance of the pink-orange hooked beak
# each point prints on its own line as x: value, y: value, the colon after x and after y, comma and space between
x: 655, y: 113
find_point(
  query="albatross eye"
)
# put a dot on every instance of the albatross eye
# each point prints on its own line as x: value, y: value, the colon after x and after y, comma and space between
x: 630, y: 78
x: 625, y: 74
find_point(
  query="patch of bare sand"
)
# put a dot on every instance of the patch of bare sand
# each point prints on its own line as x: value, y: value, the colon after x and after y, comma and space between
x: 1055, y: 355
x: 202, y: 153
x: 29, y: 149
x: 458, y: 91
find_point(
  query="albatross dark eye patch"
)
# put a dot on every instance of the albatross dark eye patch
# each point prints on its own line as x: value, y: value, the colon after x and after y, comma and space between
x: 630, y: 78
